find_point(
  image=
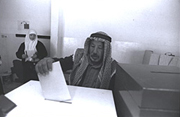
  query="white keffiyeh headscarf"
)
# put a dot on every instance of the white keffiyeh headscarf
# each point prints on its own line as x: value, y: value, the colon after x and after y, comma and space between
x: 104, y: 75
x: 30, y: 45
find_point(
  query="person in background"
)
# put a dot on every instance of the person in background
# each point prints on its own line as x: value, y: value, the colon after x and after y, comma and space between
x: 30, y: 52
x: 91, y: 67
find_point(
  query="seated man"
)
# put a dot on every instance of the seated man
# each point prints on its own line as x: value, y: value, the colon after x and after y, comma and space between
x: 93, y: 67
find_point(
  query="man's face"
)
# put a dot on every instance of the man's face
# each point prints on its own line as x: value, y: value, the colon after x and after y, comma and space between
x: 96, y: 51
x: 32, y: 36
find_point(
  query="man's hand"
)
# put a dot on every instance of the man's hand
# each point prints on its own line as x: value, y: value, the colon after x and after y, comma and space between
x: 44, y: 66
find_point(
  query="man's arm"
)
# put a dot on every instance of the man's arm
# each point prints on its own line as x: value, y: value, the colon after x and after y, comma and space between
x: 45, y: 65
x: 66, y: 63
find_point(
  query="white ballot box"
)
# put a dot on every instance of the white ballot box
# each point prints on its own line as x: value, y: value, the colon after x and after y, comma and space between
x: 85, y: 102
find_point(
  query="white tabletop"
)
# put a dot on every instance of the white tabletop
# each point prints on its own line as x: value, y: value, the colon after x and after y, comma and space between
x: 86, y: 102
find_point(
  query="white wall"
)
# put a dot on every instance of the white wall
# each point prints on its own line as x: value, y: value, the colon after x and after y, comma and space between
x: 134, y: 25
x: 37, y: 13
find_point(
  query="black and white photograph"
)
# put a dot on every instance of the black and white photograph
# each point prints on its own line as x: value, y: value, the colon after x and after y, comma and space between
x: 89, y: 58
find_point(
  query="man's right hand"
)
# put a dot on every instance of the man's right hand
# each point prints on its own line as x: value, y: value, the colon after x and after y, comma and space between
x: 44, y: 66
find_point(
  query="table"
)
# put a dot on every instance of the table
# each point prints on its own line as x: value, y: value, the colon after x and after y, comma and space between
x: 86, y: 102
x: 147, y: 90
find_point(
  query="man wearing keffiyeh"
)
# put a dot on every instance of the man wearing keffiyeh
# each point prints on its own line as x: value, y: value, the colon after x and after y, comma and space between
x: 92, y: 66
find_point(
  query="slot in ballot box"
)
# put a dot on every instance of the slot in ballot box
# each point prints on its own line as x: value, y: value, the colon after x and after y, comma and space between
x: 155, y: 90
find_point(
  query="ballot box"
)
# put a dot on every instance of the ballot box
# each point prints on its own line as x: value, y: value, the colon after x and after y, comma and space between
x: 152, y: 90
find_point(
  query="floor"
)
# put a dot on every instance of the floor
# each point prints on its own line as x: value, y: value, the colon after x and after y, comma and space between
x: 9, y: 84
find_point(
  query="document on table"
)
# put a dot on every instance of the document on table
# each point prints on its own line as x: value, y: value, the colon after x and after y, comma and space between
x: 53, y: 84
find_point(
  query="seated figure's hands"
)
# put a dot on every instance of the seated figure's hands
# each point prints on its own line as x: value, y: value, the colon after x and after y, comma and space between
x: 34, y: 56
x: 44, y: 66
x: 24, y: 56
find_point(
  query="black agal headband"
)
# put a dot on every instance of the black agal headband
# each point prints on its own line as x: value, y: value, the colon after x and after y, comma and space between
x: 102, y: 36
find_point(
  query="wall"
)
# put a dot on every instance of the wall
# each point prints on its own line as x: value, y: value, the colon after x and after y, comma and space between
x: 179, y: 42
x: 37, y: 13
x: 134, y: 25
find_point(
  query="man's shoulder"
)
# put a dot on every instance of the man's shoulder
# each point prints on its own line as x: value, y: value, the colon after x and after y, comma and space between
x: 22, y: 44
x: 78, y: 55
x: 114, y: 64
x: 39, y: 42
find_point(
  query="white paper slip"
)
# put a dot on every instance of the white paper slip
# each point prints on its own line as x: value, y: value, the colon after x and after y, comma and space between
x: 53, y: 85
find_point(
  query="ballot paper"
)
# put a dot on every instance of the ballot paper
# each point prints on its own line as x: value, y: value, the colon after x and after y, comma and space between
x: 53, y: 84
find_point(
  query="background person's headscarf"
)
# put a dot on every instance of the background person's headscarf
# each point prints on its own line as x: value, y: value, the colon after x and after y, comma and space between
x: 104, y: 75
x: 30, y: 45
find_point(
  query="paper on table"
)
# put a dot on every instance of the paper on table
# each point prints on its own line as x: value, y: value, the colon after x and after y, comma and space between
x: 53, y: 85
